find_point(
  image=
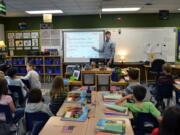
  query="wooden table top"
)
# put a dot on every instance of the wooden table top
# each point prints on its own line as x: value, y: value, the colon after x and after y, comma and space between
x: 174, y: 66
x: 54, y: 126
x: 97, y: 71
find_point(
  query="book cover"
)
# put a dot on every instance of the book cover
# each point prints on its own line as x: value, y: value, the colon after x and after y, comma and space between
x: 76, y: 96
x: 116, y: 108
x: 111, y: 126
x: 75, y: 113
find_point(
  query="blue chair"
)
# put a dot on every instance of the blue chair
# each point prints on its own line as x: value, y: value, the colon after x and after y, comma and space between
x: 35, y: 121
x: 178, y: 98
x: 6, y: 110
x: 17, y: 94
x: 27, y: 83
x: 145, y: 123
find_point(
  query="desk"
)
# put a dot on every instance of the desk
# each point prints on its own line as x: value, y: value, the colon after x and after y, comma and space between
x: 74, y: 83
x: 91, y: 129
x: 54, y: 126
x: 97, y: 71
x: 147, y: 67
x: 100, y: 108
x: 122, y: 82
x: 99, y: 113
x: 175, y: 66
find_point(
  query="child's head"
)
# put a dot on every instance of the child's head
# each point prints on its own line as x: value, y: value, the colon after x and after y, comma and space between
x: 167, y: 68
x: 3, y: 87
x: 57, y: 86
x: 12, y: 72
x: 171, y: 121
x: 2, y: 75
x: 35, y: 96
x: 133, y: 74
x: 29, y: 66
x: 139, y: 92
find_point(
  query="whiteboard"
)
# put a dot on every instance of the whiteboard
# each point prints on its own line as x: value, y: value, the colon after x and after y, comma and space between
x: 138, y: 42
x: 78, y: 45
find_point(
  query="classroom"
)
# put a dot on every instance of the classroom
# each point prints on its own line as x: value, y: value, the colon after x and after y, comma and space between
x: 89, y: 67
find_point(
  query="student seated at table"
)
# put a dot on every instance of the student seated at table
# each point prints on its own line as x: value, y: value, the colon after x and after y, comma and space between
x: 170, y: 123
x: 139, y: 106
x: 2, y: 75
x: 57, y: 94
x: 32, y: 76
x: 12, y: 79
x: 7, y: 100
x: 133, y: 80
x: 35, y: 104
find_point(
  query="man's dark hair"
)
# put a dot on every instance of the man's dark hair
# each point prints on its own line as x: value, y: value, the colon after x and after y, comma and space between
x: 35, y: 96
x: 139, y: 92
x: 107, y: 32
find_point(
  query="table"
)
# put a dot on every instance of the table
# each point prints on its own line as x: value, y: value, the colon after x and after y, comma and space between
x: 54, y: 125
x: 97, y: 71
x: 147, y: 67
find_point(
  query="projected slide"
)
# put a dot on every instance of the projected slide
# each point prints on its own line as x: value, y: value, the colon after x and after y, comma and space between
x: 78, y: 45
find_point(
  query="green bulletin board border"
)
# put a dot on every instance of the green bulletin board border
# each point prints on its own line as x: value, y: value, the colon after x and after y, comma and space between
x: 22, y: 52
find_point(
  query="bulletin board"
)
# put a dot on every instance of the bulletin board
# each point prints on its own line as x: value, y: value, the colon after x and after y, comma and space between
x: 26, y: 40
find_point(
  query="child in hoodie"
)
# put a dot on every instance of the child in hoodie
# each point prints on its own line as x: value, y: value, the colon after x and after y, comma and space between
x: 35, y: 103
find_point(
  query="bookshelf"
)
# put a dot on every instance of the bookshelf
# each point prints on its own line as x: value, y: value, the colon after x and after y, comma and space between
x: 47, y: 66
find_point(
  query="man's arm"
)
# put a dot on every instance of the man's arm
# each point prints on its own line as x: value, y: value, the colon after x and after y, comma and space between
x: 98, y: 50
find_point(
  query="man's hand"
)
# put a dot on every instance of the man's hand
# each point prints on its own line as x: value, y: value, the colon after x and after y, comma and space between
x: 109, y: 62
x: 94, y: 48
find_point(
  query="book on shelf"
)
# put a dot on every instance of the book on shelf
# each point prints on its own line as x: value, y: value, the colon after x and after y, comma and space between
x: 110, y: 126
x: 75, y: 114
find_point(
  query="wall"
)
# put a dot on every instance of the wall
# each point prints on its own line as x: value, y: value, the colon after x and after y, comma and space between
x: 93, y: 21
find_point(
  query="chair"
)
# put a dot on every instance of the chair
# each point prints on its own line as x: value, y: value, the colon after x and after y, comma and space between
x: 156, y: 67
x: 17, y: 94
x: 35, y: 121
x: 164, y: 91
x: 88, y: 80
x: 178, y: 97
x: 145, y: 123
x: 7, y: 112
x: 27, y: 83
x: 103, y: 82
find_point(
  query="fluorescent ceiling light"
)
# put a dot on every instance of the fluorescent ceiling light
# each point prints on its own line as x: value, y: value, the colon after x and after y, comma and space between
x: 179, y: 9
x: 45, y: 12
x: 120, y: 9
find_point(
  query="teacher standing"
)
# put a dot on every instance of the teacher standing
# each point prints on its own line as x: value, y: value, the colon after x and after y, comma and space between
x: 108, y: 49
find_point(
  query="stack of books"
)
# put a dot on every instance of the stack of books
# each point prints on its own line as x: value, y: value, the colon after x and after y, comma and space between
x: 75, y: 114
x: 111, y: 97
x: 76, y: 96
x: 110, y: 127
x: 112, y: 109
